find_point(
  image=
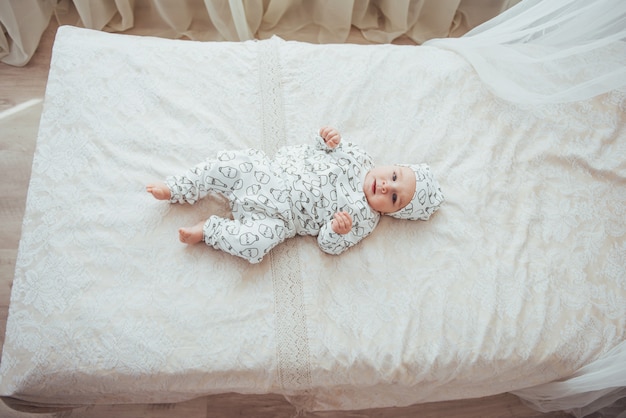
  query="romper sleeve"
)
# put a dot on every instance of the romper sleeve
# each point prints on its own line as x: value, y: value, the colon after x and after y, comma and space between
x: 333, y: 243
x: 320, y: 145
x: 352, y: 199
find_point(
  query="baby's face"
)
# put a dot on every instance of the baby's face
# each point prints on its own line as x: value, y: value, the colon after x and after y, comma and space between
x: 389, y: 188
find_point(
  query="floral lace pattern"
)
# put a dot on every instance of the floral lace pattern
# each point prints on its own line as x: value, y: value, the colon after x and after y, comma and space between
x: 517, y: 280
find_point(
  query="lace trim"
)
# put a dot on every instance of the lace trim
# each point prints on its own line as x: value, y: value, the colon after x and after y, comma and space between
x: 272, y: 108
x: 292, y: 344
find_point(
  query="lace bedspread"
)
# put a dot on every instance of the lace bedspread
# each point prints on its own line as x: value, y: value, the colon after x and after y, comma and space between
x: 517, y: 280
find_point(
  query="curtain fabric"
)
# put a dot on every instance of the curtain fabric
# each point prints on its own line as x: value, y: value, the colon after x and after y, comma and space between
x: 599, y: 387
x: 549, y: 51
x: 319, y: 21
x: 21, y: 25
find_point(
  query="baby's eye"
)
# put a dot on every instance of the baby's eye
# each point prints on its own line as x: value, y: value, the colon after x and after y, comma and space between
x: 394, y: 177
x: 394, y: 197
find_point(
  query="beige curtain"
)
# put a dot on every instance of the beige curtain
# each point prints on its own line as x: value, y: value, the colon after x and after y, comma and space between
x: 21, y: 24
x: 321, y: 21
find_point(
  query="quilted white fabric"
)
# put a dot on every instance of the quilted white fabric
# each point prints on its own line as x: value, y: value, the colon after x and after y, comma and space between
x: 517, y: 280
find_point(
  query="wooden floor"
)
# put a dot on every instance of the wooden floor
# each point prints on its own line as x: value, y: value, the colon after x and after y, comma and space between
x: 21, y: 102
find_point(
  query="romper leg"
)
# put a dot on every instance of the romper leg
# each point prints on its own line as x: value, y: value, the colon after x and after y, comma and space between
x: 246, y: 238
x: 221, y: 175
x: 258, y: 199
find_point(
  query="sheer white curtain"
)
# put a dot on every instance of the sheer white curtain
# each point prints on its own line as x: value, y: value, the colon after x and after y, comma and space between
x: 599, y: 386
x: 321, y: 21
x: 549, y: 51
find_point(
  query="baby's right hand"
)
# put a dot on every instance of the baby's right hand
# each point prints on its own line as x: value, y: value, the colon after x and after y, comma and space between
x: 341, y: 223
x: 331, y: 136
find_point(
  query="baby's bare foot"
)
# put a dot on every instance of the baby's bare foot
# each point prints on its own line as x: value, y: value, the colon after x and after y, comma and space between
x: 160, y: 191
x: 191, y: 235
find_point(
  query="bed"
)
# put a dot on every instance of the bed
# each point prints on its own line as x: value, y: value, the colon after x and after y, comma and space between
x: 517, y: 281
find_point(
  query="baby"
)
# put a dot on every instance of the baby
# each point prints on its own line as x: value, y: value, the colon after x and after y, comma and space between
x: 331, y: 190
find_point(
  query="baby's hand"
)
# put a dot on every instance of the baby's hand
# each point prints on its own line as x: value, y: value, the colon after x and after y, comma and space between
x: 331, y: 136
x: 341, y: 223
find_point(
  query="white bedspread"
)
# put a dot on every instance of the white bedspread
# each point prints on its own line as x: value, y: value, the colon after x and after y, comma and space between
x: 518, y: 280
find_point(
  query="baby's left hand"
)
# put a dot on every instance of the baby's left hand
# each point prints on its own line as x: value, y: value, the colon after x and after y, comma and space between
x: 331, y: 136
x: 342, y: 223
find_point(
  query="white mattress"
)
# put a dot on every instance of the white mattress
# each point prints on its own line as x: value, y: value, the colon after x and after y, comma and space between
x: 517, y: 280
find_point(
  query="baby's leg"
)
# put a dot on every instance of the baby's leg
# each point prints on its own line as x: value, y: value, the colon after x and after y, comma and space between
x: 247, y: 239
x: 192, y: 234
x: 160, y: 191
x: 227, y: 174
x: 220, y: 175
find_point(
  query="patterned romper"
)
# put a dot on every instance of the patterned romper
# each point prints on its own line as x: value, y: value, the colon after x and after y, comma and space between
x: 296, y: 193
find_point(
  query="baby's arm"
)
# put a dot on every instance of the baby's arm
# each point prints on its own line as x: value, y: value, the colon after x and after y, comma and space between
x: 332, y: 242
x: 331, y: 136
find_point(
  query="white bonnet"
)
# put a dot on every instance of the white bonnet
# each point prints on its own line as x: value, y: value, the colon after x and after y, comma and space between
x: 427, y: 197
